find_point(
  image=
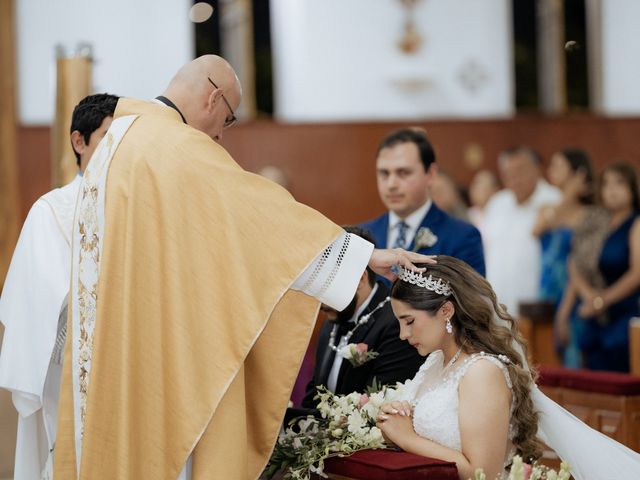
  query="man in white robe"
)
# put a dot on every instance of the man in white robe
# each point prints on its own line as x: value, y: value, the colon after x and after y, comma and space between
x: 34, y: 297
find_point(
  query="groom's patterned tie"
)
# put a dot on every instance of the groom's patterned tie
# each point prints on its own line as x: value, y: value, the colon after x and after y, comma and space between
x: 401, y: 239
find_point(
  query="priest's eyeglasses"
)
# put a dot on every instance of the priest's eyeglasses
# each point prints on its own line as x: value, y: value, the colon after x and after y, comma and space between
x: 231, y: 119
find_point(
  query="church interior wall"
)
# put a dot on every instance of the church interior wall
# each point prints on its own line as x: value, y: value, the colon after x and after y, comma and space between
x: 332, y: 164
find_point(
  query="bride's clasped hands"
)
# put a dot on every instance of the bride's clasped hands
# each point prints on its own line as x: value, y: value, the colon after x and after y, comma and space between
x: 395, y: 421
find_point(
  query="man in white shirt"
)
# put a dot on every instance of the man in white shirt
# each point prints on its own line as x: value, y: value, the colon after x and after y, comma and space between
x: 511, y: 250
x: 406, y: 170
x: 33, y: 301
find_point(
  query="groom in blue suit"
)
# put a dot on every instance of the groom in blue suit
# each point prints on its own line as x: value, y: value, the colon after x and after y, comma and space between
x: 406, y: 169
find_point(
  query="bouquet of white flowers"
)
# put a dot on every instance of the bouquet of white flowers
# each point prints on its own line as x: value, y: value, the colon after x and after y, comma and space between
x: 523, y: 471
x: 347, y: 424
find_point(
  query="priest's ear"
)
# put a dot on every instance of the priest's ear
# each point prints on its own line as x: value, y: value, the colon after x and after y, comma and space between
x: 77, y: 142
x: 214, y: 97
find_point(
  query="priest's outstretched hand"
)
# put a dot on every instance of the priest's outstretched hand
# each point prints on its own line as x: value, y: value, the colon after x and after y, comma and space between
x: 383, y: 261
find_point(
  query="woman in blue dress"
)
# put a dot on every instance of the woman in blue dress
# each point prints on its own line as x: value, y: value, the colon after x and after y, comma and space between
x: 607, y: 304
x: 570, y: 170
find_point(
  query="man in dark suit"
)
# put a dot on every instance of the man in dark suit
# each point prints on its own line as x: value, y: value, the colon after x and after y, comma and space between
x: 406, y: 168
x: 396, y: 361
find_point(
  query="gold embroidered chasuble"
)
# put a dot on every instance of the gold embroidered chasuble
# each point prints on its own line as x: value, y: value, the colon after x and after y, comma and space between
x: 198, y: 337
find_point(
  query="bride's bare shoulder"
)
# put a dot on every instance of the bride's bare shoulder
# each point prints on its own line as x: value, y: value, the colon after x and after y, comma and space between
x: 486, y: 377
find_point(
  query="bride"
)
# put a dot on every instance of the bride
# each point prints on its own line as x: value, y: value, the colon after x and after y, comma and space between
x: 474, y: 402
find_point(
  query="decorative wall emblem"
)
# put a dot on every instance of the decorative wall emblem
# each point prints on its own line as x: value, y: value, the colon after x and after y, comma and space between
x: 472, y: 76
x: 411, y: 39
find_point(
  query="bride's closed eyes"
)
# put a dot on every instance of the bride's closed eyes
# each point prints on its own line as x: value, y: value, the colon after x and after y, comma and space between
x: 407, y: 319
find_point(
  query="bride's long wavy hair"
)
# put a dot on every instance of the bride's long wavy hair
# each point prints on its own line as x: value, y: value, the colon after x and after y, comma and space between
x: 475, y: 330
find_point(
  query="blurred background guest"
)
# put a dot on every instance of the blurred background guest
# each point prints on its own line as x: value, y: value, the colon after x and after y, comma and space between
x: 482, y: 187
x: 605, y: 272
x: 512, y: 252
x: 570, y: 170
x: 449, y: 196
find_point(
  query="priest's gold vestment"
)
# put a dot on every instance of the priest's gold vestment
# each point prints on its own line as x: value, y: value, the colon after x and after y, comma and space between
x: 198, y: 337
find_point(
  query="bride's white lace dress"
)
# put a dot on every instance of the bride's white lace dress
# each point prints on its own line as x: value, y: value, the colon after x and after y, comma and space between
x: 433, y: 392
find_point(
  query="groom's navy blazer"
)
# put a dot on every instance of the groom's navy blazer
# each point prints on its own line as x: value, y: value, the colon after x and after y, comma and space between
x: 456, y: 238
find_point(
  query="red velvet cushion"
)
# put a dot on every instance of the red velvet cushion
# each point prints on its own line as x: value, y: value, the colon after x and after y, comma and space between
x: 391, y: 465
x: 612, y: 383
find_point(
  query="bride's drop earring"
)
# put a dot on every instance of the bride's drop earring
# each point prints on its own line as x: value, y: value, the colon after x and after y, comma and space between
x: 448, y: 327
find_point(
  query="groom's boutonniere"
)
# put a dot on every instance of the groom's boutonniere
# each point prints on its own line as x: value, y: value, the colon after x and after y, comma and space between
x: 357, y: 353
x: 425, y: 238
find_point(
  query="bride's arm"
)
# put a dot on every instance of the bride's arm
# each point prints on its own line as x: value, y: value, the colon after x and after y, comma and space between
x: 484, y: 403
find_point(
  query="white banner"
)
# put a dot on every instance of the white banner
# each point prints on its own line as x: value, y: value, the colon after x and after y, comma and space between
x: 620, y: 57
x: 341, y: 60
x: 137, y: 46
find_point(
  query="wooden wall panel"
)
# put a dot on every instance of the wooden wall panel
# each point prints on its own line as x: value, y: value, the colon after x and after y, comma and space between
x: 34, y: 160
x: 332, y: 165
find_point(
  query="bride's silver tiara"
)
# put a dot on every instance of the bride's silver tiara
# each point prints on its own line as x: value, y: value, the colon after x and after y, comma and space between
x: 430, y: 283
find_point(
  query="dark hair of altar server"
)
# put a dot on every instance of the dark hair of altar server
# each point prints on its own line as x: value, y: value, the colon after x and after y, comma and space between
x: 89, y: 114
x: 475, y: 331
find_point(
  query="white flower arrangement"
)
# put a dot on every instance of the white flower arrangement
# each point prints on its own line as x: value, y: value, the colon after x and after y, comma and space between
x: 347, y: 425
x: 523, y: 471
x: 357, y: 353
